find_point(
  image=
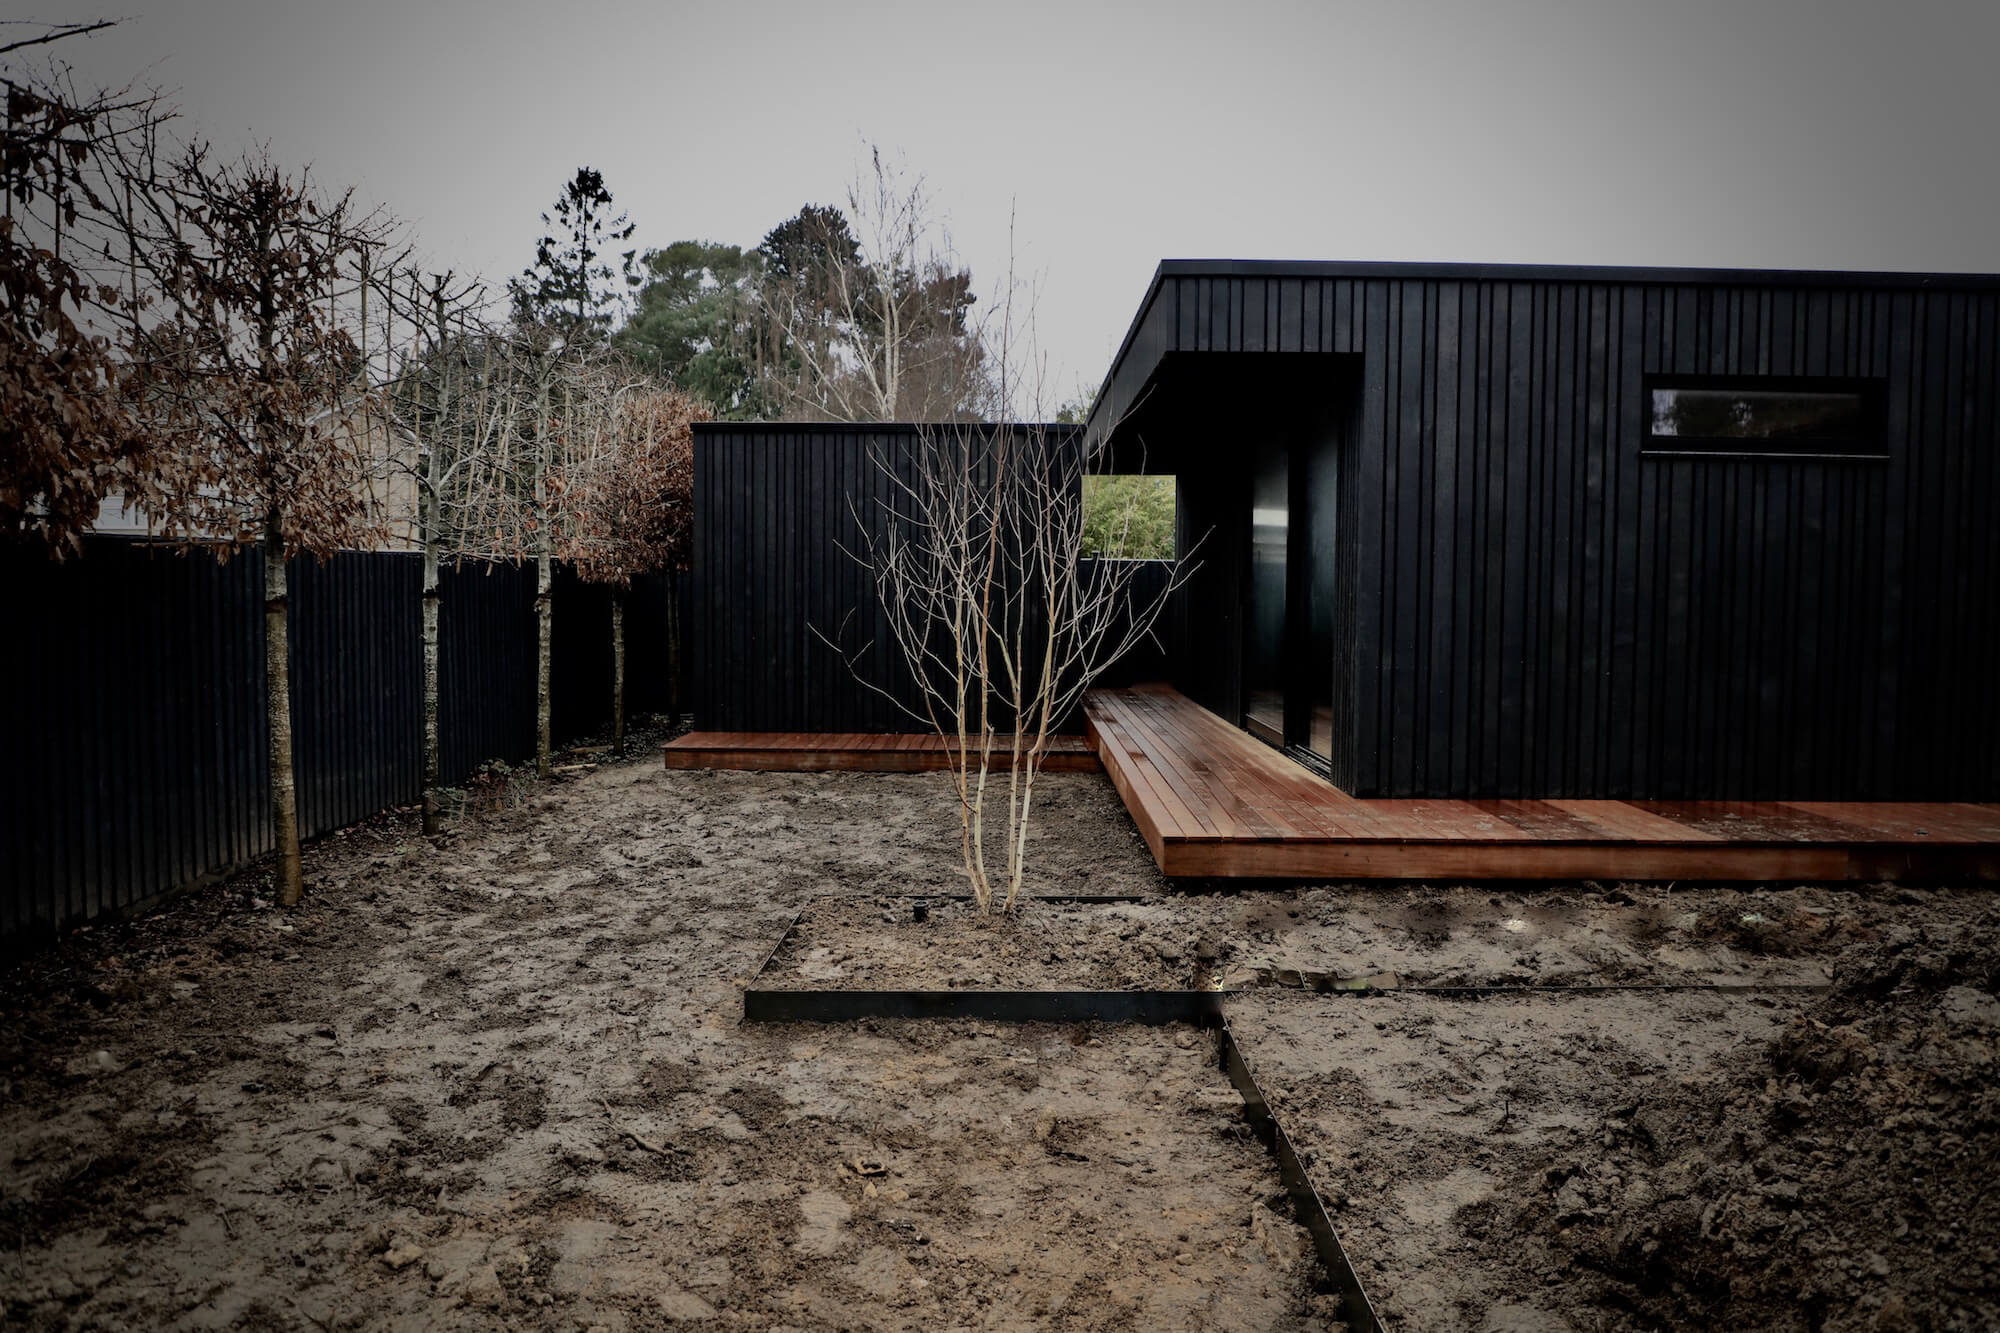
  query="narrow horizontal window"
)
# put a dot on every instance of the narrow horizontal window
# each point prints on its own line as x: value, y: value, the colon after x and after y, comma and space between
x: 1757, y: 416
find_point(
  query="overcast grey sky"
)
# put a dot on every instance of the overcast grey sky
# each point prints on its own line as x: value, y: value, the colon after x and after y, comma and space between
x: 1795, y: 135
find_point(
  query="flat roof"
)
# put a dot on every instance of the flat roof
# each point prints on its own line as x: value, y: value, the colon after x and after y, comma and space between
x: 870, y: 427
x: 1856, y: 279
x: 1734, y: 277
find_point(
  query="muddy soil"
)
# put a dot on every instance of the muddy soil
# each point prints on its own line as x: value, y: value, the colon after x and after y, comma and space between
x: 1841, y: 1176
x: 892, y: 943
x: 500, y: 1081
x: 1572, y: 935
x: 1353, y: 937
x: 1416, y: 1113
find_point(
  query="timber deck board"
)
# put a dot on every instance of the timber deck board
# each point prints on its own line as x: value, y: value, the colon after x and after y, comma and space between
x: 1213, y: 801
x: 847, y: 752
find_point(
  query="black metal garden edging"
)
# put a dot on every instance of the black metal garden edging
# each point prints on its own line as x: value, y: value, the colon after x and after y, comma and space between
x: 768, y: 1005
x: 1201, y: 1008
x: 1150, y: 1007
x: 1356, y: 1311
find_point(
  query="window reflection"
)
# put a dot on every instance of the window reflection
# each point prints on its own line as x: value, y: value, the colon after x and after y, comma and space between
x: 1755, y: 416
x: 1270, y: 513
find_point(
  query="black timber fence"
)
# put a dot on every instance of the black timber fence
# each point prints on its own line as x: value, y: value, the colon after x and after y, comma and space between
x: 783, y: 619
x: 136, y: 759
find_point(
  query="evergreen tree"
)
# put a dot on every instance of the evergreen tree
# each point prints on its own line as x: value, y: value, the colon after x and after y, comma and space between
x: 698, y: 326
x: 571, y: 287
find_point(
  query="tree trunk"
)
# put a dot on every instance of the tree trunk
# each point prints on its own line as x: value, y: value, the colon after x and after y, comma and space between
x: 544, y: 624
x: 433, y: 750
x: 544, y: 571
x: 278, y: 715
x: 433, y: 484
x: 673, y: 648
x: 618, y: 672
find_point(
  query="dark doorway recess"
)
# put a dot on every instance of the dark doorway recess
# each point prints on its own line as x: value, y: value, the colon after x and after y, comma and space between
x: 1290, y: 595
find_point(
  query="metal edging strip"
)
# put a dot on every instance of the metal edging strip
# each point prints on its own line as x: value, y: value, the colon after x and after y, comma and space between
x: 1355, y: 1308
x: 1149, y: 1007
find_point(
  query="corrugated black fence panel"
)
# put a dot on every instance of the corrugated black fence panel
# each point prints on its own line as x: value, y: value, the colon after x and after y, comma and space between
x: 137, y: 753
x: 581, y: 654
x: 139, y: 726
x: 646, y: 621
x: 580, y: 657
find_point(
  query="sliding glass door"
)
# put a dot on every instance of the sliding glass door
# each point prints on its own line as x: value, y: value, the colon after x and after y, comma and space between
x: 1289, y: 629
x: 1265, y: 655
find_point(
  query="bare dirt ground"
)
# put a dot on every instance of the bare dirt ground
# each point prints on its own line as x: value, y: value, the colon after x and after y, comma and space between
x: 499, y: 1080
x: 1336, y: 938
x: 1842, y: 1176
x: 883, y: 943
x: 1415, y: 1113
x: 1805, y: 1162
x: 502, y: 1083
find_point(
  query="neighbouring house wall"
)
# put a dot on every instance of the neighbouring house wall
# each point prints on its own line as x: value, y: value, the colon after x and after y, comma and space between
x: 1535, y: 609
x: 774, y: 577
x: 387, y: 487
x: 137, y: 756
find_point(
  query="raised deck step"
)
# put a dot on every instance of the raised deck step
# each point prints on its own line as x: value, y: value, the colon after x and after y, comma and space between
x: 1211, y: 800
x: 848, y: 752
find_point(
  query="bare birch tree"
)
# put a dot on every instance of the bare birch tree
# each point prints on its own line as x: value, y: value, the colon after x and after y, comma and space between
x: 544, y: 402
x: 985, y: 597
x: 437, y: 358
x: 977, y: 566
x: 565, y: 305
x: 247, y: 378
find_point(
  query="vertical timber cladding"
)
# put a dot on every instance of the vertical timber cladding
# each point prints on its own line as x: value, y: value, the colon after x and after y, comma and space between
x: 776, y: 508
x: 775, y: 578
x: 1533, y: 608
x: 139, y: 760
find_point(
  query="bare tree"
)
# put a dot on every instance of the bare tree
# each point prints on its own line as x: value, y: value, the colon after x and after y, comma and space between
x: 545, y: 400
x: 985, y: 597
x: 541, y: 350
x: 436, y: 358
x: 247, y: 378
x: 977, y: 566
x: 873, y: 313
x: 628, y: 493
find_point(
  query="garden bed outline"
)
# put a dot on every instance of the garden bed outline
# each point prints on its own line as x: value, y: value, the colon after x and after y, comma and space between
x: 1202, y: 1009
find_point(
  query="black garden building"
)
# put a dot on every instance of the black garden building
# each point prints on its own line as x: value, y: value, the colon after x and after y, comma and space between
x: 1546, y: 532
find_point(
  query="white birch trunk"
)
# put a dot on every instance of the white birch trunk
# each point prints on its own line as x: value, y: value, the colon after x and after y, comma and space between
x: 432, y: 518
x: 544, y: 580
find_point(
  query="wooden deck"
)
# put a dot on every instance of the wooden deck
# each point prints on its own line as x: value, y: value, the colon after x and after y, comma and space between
x: 1212, y: 801
x: 846, y: 752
